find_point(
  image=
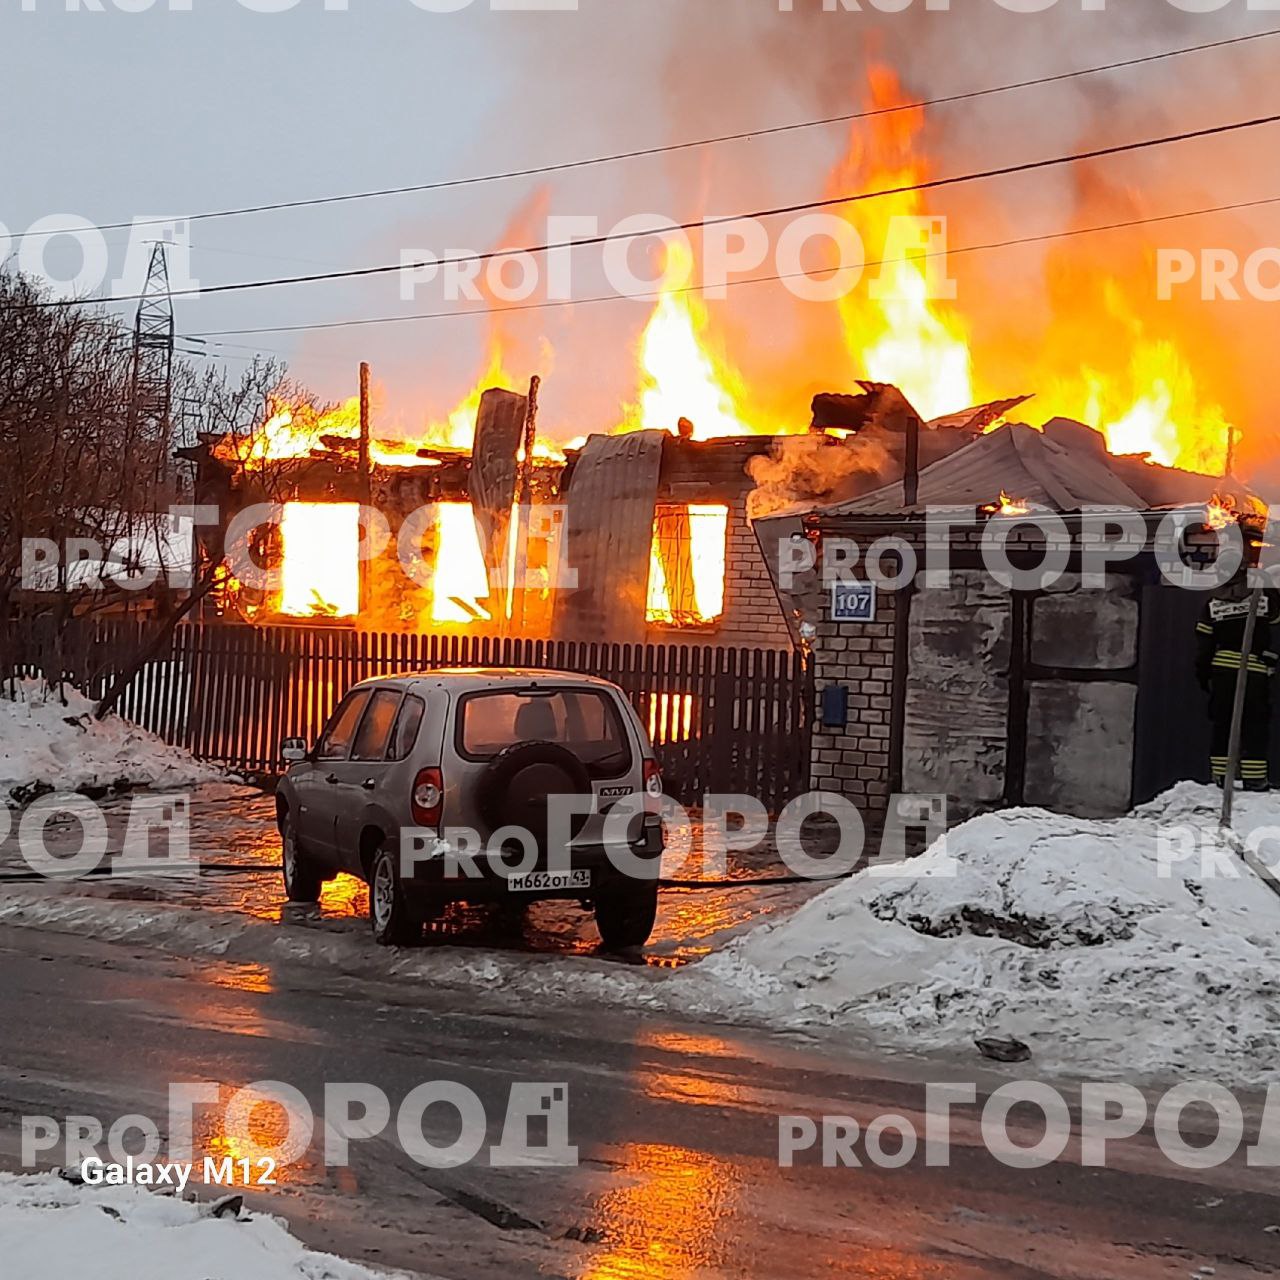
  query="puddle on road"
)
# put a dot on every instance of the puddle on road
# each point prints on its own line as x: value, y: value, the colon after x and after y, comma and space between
x: 234, y: 827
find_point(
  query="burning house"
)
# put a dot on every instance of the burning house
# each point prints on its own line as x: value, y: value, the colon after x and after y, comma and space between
x: 1073, y: 699
x: 660, y: 526
x: 640, y: 537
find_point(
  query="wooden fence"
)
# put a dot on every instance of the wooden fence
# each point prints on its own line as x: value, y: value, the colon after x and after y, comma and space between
x: 722, y: 720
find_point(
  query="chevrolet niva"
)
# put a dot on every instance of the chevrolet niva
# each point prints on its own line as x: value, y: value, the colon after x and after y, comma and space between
x: 485, y: 752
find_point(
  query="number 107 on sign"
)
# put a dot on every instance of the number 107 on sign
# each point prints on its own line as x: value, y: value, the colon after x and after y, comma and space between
x: 853, y: 602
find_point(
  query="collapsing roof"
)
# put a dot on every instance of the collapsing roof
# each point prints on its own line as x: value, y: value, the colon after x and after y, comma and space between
x: 1064, y: 467
x: 881, y: 404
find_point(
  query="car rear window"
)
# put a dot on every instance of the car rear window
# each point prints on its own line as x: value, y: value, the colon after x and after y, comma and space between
x: 375, y: 728
x: 585, y: 721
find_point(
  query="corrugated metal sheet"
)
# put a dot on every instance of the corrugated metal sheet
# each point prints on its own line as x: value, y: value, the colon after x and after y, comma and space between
x: 1074, y: 476
x: 1016, y: 460
x: 610, y: 516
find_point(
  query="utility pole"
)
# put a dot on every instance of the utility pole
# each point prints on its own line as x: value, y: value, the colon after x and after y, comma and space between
x: 366, y: 482
x: 1237, y: 709
x: 1247, y: 855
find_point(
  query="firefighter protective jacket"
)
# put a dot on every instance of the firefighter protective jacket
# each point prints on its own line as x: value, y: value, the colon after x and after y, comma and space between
x: 1220, y: 632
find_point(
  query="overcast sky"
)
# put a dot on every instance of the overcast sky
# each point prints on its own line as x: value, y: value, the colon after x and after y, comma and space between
x: 115, y: 115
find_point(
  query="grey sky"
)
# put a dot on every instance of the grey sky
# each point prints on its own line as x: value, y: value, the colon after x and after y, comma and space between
x: 115, y: 115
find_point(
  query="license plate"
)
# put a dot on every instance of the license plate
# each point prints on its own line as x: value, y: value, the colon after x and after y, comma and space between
x: 549, y: 881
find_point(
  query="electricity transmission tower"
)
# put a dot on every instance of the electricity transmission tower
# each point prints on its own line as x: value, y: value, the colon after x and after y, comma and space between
x: 151, y: 401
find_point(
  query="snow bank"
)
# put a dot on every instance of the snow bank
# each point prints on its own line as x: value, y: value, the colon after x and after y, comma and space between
x: 1064, y: 933
x: 50, y: 1228
x: 48, y: 746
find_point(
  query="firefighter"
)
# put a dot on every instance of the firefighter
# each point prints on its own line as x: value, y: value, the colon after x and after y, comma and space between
x: 1219, y: 635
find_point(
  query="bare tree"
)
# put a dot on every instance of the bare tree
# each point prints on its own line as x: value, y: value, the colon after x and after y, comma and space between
x: 79, y: 473
x: 92, y: 484
x: 231, y: 411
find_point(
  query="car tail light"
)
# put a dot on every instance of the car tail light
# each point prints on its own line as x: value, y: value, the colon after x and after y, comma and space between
x: 652, y: 787
x: 428, y: 797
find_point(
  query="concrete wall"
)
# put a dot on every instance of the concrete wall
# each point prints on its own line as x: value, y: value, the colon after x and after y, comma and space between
x: 956, y: 705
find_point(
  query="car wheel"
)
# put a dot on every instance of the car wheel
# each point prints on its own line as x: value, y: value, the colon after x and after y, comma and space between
x: 394, y: 925
x: 302, y: 882
x: 625, y: 919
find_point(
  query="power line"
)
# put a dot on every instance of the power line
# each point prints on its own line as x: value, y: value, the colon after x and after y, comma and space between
x: 671, y: 148
x: 793, y: 275
x: 932, y: 184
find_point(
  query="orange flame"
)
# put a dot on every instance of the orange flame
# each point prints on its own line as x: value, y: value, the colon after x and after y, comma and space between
x: 681, y: 375
x: 1145, y: 400
x: 1008, y: 506
x: 1221, y: 511
x: 292, y: 430
x: 321, y: 568
x: 687, y: 565
x: 296, y: 429
x: 894, y: 330
x: 460, y: 586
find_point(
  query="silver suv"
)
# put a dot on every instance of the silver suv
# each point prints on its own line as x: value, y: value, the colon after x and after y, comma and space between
x: 448, y: 787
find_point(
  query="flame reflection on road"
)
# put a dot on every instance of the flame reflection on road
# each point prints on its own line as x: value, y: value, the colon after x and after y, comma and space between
x: 666, y: 1224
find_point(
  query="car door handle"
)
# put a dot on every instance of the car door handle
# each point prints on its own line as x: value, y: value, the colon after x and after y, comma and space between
x: 332, y: 779
x: 369, y: 784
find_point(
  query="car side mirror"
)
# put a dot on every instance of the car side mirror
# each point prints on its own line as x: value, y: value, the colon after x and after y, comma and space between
x: 294, y: 750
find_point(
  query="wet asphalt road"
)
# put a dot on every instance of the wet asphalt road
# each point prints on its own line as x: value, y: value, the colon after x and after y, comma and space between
x: 676, y: 1125
x: 234, y: 826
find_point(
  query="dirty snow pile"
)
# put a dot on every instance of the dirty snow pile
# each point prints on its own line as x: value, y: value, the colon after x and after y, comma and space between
x: 1075, y: 936
x: 50, y: 1228
x: 52, y: 743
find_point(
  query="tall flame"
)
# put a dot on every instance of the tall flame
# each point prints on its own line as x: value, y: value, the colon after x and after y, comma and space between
x: 895, y: 331
x: 681, y: 375
x: 458, y: 429
x: 1105, y: 358
x: 1146, y: 398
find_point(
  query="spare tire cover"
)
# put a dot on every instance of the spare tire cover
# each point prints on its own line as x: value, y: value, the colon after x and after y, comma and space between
x: 515, y: 787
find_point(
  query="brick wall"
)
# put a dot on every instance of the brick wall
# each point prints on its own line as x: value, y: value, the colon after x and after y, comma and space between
x: 856, y: 761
